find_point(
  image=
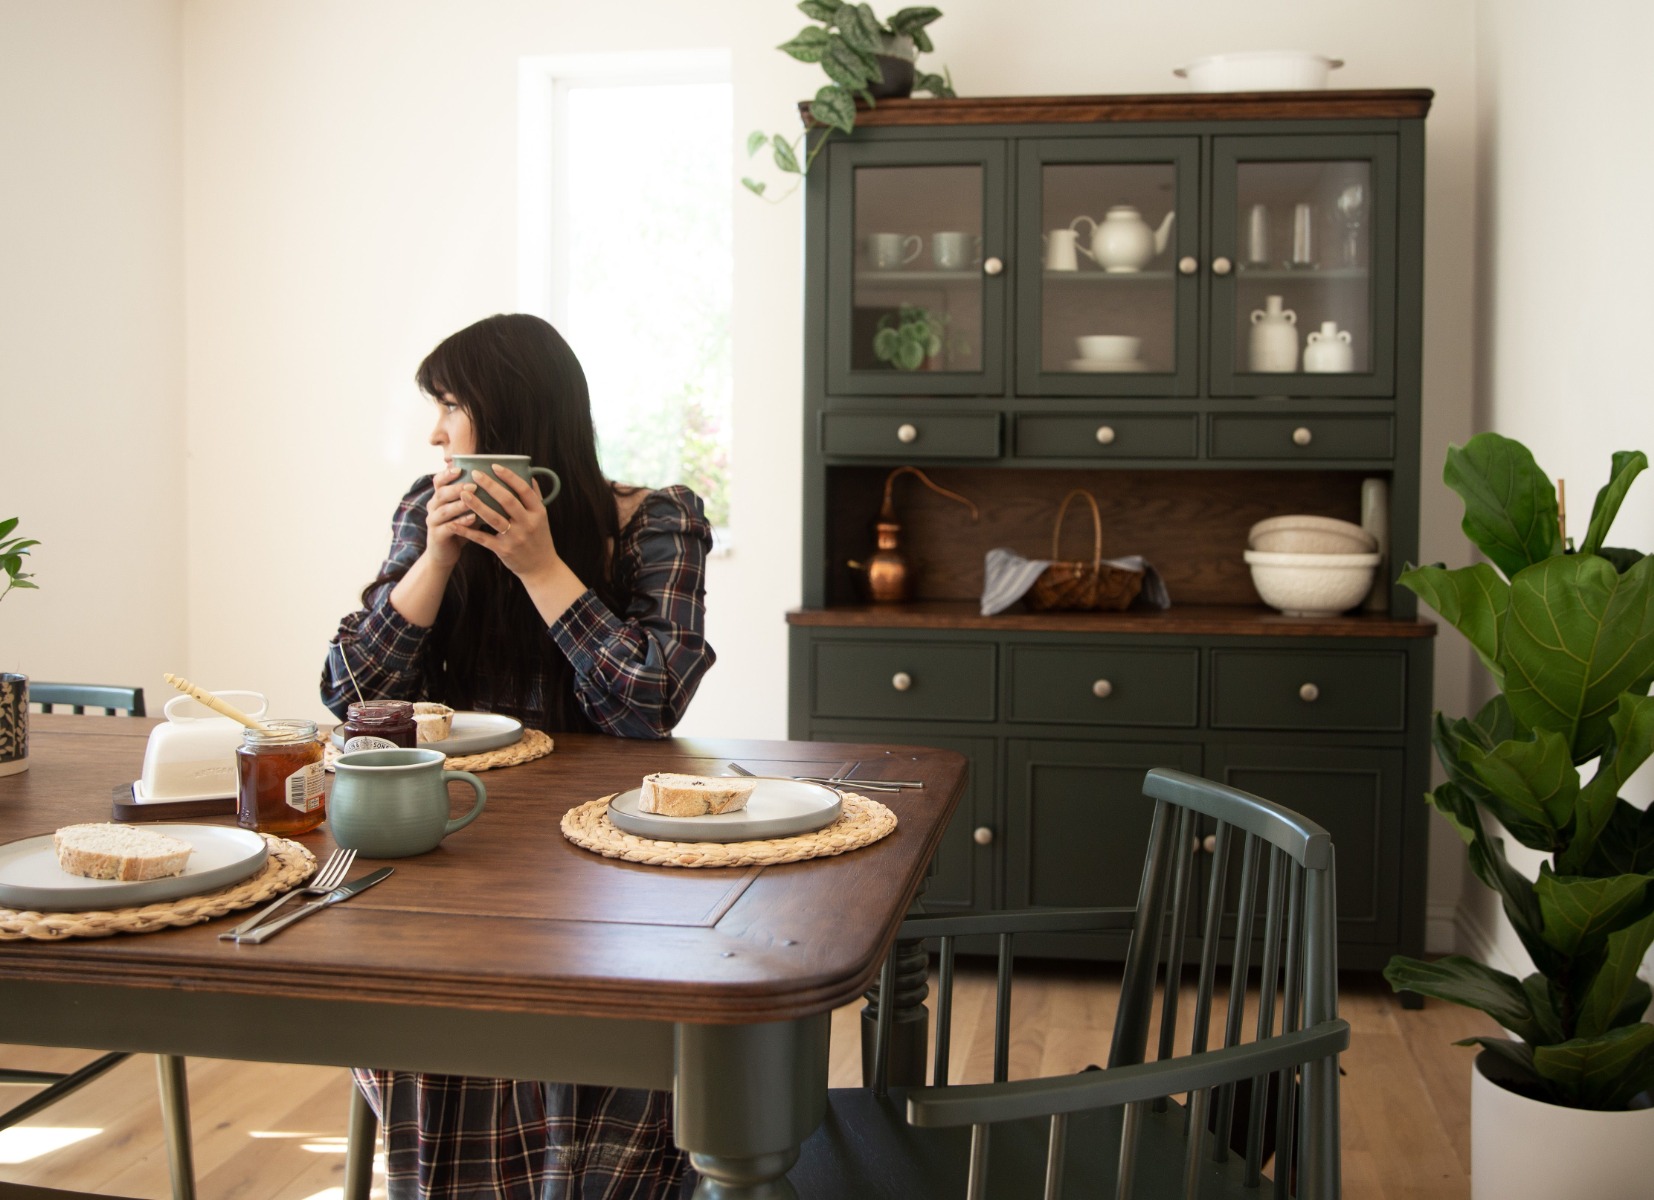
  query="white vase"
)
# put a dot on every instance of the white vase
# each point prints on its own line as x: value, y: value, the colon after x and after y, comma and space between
x: 1522, y: 1149
x: 1274, y: 338
x: 1375, y: 519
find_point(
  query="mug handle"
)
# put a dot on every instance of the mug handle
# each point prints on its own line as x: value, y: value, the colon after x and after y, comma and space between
x: 918, y: 246
x: 556, y: 483
x: 476, y: 784
x: 1079, y: 244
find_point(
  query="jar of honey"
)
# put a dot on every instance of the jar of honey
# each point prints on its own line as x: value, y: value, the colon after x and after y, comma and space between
x: 379, y: 725
x: 279, y: 778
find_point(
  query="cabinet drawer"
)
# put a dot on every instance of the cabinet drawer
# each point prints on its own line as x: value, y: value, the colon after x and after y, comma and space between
x: 911, y: 435
x: 1066, y: 436
x: 1303, y: 689
x: 1086, y: 685
x: 951, y: 681
x: 1312, y: 438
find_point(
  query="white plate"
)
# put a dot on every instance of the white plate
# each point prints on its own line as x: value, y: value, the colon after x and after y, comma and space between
x: 470, y: 733
x: 30, y: 878
x: 776, y: 808
x: 1106, y: 365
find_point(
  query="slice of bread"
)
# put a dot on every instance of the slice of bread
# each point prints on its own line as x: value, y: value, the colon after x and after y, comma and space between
x: 126, y: 852
x: 669, y: 795
x: 433, y: 721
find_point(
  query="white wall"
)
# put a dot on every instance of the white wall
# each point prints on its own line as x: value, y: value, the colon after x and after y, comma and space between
x: 91, y: 337
x: 1565, y: 243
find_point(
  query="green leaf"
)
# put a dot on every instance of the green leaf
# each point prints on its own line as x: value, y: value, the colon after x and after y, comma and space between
x: 1465, y: 981
x: 785, y: 159
x: 921, y: 41
x: 1601, y: 1072
x: 934, y: 84
x: 1630, y: 743
x: 860, y: 28
x: 1622, y: 558
x: 818, y: 10
x: 1517, y: 1060
x: 1471, y: 599
x: 11, y: 564
x: 811, y: 43
x: 846, y: 67
x: 1509, y: 504
x: 886, y: 342
x: 911, y: 356
x: 756, y: 141
x: 1627, y: 465
x: 9, y: 524
x: 833, y: 106
x: 1576, y: 636
x: 1531, y: 781
x: 1615, y: 995
x: 911, y: 20
x: 1580, y: 914
x: 755, y: 186
x: 1626, y: 844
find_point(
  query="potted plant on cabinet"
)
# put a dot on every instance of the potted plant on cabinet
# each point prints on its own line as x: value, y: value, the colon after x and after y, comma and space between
x: 1567, y: 1106
x: 14, y: 688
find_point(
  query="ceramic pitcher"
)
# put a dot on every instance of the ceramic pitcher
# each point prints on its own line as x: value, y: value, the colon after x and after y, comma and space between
x: 1274, y: 337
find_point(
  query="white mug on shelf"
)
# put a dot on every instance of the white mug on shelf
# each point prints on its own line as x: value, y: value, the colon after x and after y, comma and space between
x: 954, y: 251
x: 887, y: 251
x: 1059, y: 250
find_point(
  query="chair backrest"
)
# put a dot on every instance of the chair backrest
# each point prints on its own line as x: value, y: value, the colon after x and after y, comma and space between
x: 78, y: 697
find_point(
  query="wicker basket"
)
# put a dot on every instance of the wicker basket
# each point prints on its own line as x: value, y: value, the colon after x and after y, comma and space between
x: 1094, y: 585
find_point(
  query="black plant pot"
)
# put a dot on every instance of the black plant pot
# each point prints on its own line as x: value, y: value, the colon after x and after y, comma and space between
x: 895, y: 77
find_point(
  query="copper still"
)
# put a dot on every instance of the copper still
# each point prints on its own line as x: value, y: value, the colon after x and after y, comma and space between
x: 887, y: 574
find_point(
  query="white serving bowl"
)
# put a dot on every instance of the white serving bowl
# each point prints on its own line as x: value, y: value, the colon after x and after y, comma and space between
x: 1108, y: 347
x: 1300, y: 533
x: 1259, y: 71
x: 1312, y: 585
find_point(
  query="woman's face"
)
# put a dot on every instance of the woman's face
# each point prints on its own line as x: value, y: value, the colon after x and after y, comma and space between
x: 453, y: 432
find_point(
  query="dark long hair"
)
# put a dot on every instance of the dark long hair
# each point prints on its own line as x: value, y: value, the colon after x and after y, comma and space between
x: 524, y: 390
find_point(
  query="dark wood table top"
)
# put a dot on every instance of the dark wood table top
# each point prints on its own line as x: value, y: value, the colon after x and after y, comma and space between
x: 507, y: 916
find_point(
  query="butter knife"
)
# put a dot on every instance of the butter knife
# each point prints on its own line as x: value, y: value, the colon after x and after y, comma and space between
x: 342, y: 892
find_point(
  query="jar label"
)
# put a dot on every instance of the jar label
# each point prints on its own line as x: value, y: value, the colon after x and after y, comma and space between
x: 303, y: 788
x: 369, y: 742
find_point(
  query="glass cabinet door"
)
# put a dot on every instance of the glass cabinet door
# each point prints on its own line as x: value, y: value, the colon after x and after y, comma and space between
x: 915, y: 275
x: 1107, y: 279
x: 1303, y: 266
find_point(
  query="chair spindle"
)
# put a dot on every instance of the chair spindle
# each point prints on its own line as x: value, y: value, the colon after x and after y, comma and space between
x: 1002, y: 1010
x: 944, y: 1013
x: 1056, y: 1145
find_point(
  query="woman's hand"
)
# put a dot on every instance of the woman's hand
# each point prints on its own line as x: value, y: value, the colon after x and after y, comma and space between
x: 446, y: 517
x: 520, y: 535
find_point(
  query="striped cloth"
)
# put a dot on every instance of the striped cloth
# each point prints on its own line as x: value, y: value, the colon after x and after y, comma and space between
x: 1007, y: 576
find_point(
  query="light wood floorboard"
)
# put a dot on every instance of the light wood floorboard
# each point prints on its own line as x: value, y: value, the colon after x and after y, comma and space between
x: 276, y: 1132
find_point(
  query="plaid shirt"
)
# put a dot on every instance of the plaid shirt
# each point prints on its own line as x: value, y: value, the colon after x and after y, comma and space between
x: 634, y: 673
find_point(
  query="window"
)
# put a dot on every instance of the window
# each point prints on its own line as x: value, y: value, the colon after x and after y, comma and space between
x: 626, y: 248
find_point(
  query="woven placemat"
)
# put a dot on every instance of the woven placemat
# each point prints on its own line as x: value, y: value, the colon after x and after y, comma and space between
x: 532, y: 745
x: 288, y: 865
x: 862, y: 823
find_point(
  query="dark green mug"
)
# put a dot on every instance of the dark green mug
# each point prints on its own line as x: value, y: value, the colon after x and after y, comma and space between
x: 517, y: 464
x: 394, y: 803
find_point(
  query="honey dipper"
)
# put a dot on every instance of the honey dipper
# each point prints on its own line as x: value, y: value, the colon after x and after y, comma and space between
x: 213, y: 702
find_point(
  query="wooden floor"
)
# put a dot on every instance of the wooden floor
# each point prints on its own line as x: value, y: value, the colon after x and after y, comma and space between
x: 271, y: 1132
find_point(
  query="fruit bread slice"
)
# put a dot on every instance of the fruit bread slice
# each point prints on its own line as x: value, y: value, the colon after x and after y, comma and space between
x: 669, y: 795
x: 126, y: 852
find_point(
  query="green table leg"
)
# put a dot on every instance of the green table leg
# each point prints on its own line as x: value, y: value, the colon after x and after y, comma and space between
x: 363, y: 1137
x: 746, y: 1098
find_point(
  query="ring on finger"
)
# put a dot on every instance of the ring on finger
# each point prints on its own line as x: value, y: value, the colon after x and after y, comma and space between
x: 507, y: 528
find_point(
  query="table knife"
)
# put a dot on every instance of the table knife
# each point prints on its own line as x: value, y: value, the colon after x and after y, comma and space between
x: 343, y: 892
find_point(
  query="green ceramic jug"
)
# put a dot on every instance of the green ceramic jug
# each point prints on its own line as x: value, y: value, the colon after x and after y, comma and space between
x: 394, y: 803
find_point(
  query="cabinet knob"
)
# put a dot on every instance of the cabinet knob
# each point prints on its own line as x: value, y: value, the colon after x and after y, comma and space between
x: 1309, y: 693
x: 1209, y: 843
x: 1188, y: 264
x: 1105, y: 435
x: 1301, y: 436
x: 907, y: 433
x: 992, y: 266
x: 982, y: 835
x: 1102, y: 689
x: 901, y: 681
x: 1222, y: 266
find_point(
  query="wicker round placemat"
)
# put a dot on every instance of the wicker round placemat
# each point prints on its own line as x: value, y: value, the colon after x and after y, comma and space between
x: 862, y: 823
x: 532, y: 745
x: 288, y: 865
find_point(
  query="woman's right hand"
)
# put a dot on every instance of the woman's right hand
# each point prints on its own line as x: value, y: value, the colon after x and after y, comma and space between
x: 446, y: 510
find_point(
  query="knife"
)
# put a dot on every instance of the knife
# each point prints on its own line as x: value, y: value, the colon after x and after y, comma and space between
x: 343, y: 892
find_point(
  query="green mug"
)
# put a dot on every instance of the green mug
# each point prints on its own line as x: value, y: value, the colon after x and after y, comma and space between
x: 517, y: 464
x: 394, y: 803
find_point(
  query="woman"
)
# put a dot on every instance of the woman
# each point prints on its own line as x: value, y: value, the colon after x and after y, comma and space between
x: 587, y: 615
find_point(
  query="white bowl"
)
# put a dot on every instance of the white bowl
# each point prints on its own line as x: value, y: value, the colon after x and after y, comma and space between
x: 1259, y: 71
x: 1312, y: 585
x: 1303, y: 534
x: 1108, y: 347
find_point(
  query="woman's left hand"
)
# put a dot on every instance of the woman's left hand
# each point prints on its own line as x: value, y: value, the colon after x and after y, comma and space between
x: 520, y: 535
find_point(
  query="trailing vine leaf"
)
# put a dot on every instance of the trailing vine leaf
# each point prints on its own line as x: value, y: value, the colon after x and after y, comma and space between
x: 785, y: 159
x: 1509, y: 504
x: 818, y: 10
x: 1626, y: 466
x: 911, y: 20
x: 860, y: 28
x: 833, y: 106
x: 756, y: 141
x: 755, y: 186
x: 846, y: 67
x: 811, y: 43
x: 934, y: 84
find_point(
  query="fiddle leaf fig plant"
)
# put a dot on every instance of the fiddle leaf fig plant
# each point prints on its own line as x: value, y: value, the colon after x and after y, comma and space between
x: 1568, y: 636
x: 907, y: 337
x: 13, y: 550
x: 849, y: 42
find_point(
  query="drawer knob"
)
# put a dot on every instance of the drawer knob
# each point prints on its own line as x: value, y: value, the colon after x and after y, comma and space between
x: 1102, y: 689
x: 982, y: 836
x: 992, y: 266
x: 1309, y: 693
x: 1209, y: 843
x: 1188, y: 264
x: 1301, y: 436
x: 907, y: 433
x: 1105, y: 435
x: 901, y: 681
x: 1222, y: 266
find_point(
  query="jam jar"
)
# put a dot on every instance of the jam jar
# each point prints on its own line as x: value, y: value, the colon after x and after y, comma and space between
x: 279, y: 778
x: 379, y: 725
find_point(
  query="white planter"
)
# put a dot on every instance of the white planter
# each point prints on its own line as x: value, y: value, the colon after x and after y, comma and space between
x: 1523, y: 1149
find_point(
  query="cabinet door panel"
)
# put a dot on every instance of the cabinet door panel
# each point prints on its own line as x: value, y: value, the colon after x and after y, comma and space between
x: 936, y: 681
x: 1089, y: 685
x: 1302, y: 689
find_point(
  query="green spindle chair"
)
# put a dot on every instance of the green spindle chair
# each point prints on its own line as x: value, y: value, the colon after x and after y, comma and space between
x: 1267, y: 916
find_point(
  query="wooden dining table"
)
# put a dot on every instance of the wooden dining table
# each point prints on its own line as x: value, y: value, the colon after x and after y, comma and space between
x: 510, y: 952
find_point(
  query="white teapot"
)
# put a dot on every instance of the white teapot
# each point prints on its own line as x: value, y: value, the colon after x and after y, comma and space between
x: 1122, y: 241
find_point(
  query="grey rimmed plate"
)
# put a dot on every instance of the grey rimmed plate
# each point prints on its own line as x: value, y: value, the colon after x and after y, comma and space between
x: 31, y: 880
x: 776, y: 808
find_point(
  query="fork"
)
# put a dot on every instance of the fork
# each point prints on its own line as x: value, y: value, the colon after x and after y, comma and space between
x: 871, y: 785
x: 327, y: 877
